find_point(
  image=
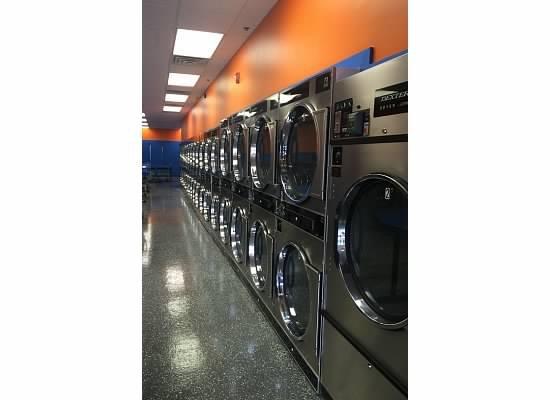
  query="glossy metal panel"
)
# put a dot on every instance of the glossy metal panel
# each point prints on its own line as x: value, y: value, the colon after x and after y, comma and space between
x: 347, y: 375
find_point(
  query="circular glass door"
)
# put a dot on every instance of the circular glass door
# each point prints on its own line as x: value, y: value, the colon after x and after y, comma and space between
x: 293, y: 289
x: 225, y: 218
x: 298, y: 154
x: 261, y: 154
x: 214, y: 156
x: 238, y: 233
x: 258, y: 256
x: 214, y: 209
x: 372, y: 248
x: 207, y: 155
x: 206, y: 206
x: 239, y: 153
x: 202, y: 192
x: 225, y: 153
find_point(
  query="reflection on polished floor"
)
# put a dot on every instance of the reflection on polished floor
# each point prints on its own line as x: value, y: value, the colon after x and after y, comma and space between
x: 203, y: 337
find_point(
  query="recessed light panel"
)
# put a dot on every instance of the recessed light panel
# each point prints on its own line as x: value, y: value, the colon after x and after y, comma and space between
x: 187, y: 80
x: 196, y: 43
x: 176, y: 98
x: 171, y: 109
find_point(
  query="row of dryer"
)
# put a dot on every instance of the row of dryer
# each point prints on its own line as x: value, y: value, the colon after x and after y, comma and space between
x: 307, y: 193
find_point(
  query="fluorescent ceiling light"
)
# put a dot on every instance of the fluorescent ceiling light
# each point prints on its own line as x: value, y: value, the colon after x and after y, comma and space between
x: 196, y: 43
x: 187, y: 80
x: 176, y: 98
x: 171, y: 109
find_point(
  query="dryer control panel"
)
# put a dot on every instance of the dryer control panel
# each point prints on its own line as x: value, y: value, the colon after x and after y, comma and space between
x: 350, y: 123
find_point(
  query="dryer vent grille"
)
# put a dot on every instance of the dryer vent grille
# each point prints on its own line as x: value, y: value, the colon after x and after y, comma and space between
x: 182, y: 60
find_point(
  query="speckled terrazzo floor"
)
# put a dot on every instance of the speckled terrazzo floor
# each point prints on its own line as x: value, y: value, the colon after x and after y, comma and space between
x: 203, y: 337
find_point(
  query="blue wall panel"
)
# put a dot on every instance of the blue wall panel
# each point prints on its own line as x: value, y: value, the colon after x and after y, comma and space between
x: 161, y: 154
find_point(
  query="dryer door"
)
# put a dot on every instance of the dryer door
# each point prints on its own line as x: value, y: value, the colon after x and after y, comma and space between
x: 214, y: 160
x: 259, y: 254
x: 239, y: 153
x: 262, y: 153
x: 207, y: 205
x: 296, y: 287
x: 225, y: 153
x: 214, y: 212
x: 301, y: 153
x: 372, y: 248
x: 225, y: 218
x: 238, y: 233
x: 207, y: 155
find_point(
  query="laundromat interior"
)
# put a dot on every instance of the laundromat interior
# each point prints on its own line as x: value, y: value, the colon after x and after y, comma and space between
x: 275, y: 204
x: 251, y: 239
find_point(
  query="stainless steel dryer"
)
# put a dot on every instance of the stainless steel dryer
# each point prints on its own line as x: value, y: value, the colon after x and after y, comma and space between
x: 206, y: 152
x: 262, y: 122
x: 299, y: 262
x: 215, y: 204
x: 303, y: 137
x: 239, y: 231
x: 366, y: 297
x: 207, y: 203
x: 261, y: 247
x: 226, y: 201
x: 215, y: 152
x: 201, y: 155
x: 225, y: 151
x: 239, y: 148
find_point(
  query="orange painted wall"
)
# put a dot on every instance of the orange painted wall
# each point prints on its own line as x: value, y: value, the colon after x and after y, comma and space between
x: 295, y: 40
x: 173, y: 135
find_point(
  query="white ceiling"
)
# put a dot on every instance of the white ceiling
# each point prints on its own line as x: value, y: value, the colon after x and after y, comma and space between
x: 160, y: 20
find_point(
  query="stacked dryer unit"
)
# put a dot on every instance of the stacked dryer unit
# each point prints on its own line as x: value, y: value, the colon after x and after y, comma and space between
x: 304, y: 111
x: 226, y: 183
x: 366, y: 295
x: 215, y: 178
x: 262, y: 119
x: 240, y: 188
